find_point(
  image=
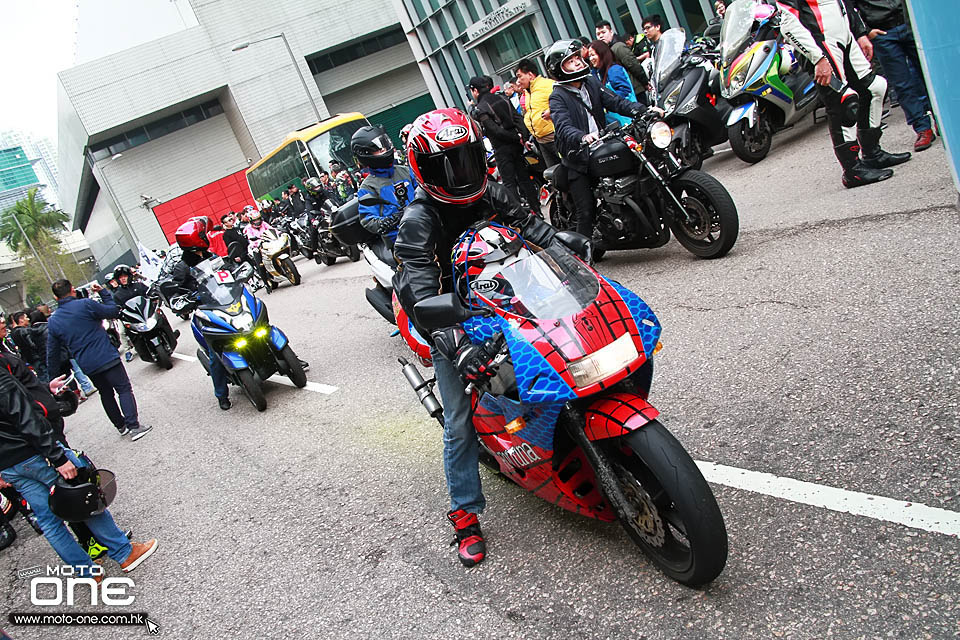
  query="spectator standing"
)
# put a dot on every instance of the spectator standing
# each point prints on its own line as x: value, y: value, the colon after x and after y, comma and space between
x: 76, y: 324
x: 623, y: 56
x: 537, y: 91
x: 7, y: 345
x: 612, y: 76
x: 889, y: 29
x: 342, y: 181
x: 495, y: 115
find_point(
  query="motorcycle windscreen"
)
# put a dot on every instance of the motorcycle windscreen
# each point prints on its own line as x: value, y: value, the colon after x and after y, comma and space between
x: 216, y: 286
x: 548, y: 284
x: 135, y: 310
x: 667, y: 56
x: 737, y: 26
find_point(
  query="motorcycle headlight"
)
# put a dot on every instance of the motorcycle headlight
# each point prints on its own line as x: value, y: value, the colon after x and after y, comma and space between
x: 670, y: 102
x: 660, y: 134
x: 604, y: 363
x: 736, y: 82
x: 142, y: 327
x: 243, y: 322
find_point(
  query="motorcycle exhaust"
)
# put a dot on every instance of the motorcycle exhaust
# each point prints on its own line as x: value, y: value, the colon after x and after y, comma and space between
x: 424, y: 389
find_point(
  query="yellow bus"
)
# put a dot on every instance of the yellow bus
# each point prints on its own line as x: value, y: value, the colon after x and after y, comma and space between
x: 303, y: 154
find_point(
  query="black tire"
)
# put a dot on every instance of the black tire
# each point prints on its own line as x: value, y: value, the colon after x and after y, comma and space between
x: 327, y: 259
x: 715, y: 225
x: 353, y: 252
x: 201, y: 358
x: 163, y: 358
x: 294, y: 370
x: 751, y: 144
x: 252, y: 389
x: 690, y: 155
x: 678, y: 523
x: 290, y: 270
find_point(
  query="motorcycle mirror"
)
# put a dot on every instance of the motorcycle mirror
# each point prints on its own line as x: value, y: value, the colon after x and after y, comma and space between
x: 442, y: 311
x: 244, y: 271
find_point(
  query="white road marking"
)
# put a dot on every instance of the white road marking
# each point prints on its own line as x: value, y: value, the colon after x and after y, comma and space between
x: 909, y: 514
x: 311, y: 386
x: 181, y: 356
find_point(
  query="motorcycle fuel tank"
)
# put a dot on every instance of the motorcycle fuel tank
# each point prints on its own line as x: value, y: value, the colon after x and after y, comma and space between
x: 611, y: 158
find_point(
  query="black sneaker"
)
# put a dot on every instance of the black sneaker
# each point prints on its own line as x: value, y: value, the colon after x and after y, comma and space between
x: 469, y: 539
x: 224, y: 403
x: 123, y: 431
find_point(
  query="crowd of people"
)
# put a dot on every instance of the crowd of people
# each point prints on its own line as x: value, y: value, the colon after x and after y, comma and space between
x: 418, y: 211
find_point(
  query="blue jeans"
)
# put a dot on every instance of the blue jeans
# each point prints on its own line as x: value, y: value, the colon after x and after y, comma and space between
x: 33, y: 478
x: 219, y: 376
x: 461, y: 451
x: 897, y: 51
x: 85, y: 385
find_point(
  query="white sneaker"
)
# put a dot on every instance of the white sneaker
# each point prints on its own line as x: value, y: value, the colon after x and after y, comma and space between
x: 139, y: 432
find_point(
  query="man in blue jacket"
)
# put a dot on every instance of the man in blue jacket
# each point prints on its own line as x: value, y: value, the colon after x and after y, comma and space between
x: 577, y: 106
x: 77, y: 324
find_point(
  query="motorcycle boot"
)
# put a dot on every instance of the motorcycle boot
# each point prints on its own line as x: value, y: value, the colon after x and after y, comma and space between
x: 855, y: 173
x: 470, y: 545
x: 873, y: 156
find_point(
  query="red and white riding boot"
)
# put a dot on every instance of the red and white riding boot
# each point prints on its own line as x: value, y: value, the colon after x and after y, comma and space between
x: 469, y: 541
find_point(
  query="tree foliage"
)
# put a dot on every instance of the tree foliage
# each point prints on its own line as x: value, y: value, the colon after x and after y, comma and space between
x: 38, y: 219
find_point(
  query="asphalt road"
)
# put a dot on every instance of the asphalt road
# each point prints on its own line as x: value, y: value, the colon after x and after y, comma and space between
x: 823, y: 348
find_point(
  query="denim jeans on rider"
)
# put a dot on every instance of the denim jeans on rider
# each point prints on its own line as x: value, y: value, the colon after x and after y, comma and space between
x: 461, y: 451
x: 219, y: 376
x: 33, y: 478
x: 897, y: 51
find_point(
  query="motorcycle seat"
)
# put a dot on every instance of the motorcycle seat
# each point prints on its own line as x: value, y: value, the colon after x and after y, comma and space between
x: 548, y: 173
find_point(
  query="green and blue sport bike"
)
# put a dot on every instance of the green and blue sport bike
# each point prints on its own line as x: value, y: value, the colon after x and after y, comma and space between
x: 761, y: 77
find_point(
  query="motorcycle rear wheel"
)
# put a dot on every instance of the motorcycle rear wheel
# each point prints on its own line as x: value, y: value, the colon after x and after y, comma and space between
x: 327, y: 259
x: 715, y: 225
x: 677, y: 522
x: 252, y: 389
x: 751, y: 144
x: 290, y: 271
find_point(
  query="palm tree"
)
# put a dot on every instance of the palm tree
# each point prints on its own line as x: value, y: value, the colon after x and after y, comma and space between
x: 39, y: 220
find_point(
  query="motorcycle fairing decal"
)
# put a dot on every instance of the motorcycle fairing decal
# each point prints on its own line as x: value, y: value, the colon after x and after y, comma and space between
x: 647, y: 323
x: 743, y: 111
x: 217, y: 321
x: 277, y: 338
x: 252, y: 303
x: 234, y: 360
x: 616, y: 415
x: 537, y: 379
x: 494, y: 413
x: 198, y: 336
x: 764, y: 66
x: 480, y: 328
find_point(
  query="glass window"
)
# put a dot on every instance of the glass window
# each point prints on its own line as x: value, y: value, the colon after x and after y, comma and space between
x: 347, y: 54
x: 509, y: 46
x: 100, y: 154
x: 691, y: 15
x: 653, y: 7
x: 417, y: 9
x: 435, y: 4
x: 471, y: 11
x: 137, y: 137
x: 194, y: 115
x: 629, y: 26
x: 487, y: 7
x: 307, y: 161
x: 457, y: 18
x: 281, y: 169
x: 442, y: 23
x: 212, y: 108
x: 334, y: 145
x: 392, y: 38
x: 431, y: 37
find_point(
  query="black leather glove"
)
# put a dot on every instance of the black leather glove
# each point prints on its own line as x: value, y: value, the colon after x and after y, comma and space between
x: 389, y: 223
x: 474, y: 362
x: 576, y: 242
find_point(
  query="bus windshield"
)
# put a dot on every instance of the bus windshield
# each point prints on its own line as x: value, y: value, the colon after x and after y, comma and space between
x: 334, y: 145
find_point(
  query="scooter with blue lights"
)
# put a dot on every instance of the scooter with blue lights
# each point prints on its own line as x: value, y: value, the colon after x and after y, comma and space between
x: 231, y: 324
x: 761, y: 77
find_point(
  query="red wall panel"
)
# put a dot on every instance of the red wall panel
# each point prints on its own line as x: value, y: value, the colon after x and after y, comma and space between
x: 229, y: 193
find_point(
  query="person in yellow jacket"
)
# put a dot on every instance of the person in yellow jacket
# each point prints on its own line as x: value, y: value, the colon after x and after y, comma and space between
x: 536, y: 91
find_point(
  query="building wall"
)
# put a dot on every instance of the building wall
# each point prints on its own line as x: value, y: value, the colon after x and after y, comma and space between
x: 230, y: 193
x: 169, y: 167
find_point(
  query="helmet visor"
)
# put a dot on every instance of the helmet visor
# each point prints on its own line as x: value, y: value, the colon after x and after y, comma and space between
x: 459, y: 171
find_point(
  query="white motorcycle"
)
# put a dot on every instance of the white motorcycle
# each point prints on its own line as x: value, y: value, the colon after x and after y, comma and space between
x: 345, y: 226
x: 274, y: 251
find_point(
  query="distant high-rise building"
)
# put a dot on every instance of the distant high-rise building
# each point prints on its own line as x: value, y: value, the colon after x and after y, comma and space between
x: 17, y: 176
x: 42, y: 156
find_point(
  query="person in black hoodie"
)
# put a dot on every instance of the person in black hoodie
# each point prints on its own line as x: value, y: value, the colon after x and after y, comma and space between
x: 496, y: 117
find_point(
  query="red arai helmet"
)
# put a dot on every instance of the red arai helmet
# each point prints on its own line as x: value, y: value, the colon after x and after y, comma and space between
x: 192, y: 234
x: 445, y: 153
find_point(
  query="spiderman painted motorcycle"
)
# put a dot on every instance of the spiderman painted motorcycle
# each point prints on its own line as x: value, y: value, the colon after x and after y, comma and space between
x: 566, y: 416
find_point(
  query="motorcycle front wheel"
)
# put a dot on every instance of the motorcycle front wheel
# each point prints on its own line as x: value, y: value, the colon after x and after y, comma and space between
x: 252, y: 389
x: 353, y: 252
x: 163, y: 358
x: 751, y: 144
x: 294, y: 370
x: 290, y: 271
x: 326, y: 259
x: 675, y: 519
x: 713, y: 226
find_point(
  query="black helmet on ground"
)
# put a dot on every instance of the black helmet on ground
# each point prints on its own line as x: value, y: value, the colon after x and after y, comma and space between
x: 564, y: 63
x: 372, y: 147
x: 83, y: 497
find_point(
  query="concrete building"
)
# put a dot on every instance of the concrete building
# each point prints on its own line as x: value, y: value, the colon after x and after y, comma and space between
x: 167, y: 119
x: 455, y: 40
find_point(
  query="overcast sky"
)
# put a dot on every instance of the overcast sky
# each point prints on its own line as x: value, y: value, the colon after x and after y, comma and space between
x: 38, y: 38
